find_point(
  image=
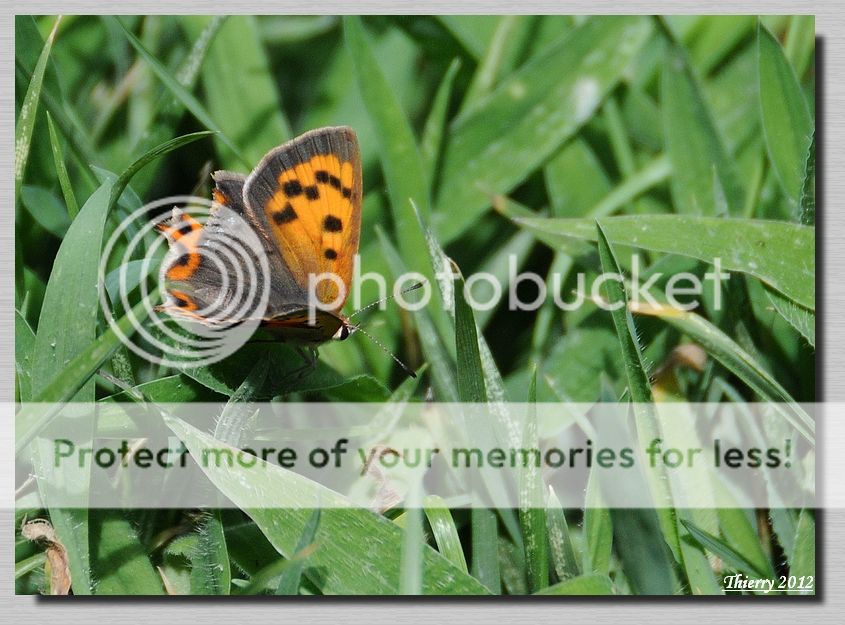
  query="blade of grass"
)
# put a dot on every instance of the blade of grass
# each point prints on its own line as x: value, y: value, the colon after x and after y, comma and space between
x: 800, y: 42
x: 61, y: 170
x: 598, y: 528
x: 589, y: 584
x: 532, y: 503
x: 161, y: 120
x: 644, y: 415
x: 185, y: 96
x: 291, y: 577
x: 401, y: 161
x: 803, y: 564
x: 29, y: 109
x: 499, y: 57
x: 779, y: 254
x: 797, y: 316
x: 256, y: 123
x: 471, y: 389
x: 357, y: 549
x: 435, y: 124
x: 807, y: 201
x: 24, y: 343
x: 550, y: 97
x: 724, y: 349
x: 562, y: 552
x: 120, y: 563
x: 411, y: 557
x: 442, y: 364
x: 728, y: 555
x: 46, y: 209
x: 445, y: 533
x: 787, y: 122
x: 700, y: 163
x: 738, y: 533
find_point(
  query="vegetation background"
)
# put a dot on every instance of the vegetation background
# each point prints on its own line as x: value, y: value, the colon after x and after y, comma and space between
x: 683, y: 137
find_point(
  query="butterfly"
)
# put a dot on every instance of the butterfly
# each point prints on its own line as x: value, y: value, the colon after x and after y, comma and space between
x: 303, y: 203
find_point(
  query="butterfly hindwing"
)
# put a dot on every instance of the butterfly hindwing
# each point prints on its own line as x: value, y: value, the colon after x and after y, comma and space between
x: 309, y: 194
x: 200, y: 255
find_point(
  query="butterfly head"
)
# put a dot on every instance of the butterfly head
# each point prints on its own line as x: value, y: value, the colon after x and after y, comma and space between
x: 344, y: 331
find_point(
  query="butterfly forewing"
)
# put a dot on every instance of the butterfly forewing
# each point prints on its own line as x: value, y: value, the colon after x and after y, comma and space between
x: 309, y: 192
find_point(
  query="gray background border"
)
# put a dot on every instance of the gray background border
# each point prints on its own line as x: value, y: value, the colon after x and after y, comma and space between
x: 830, y: 26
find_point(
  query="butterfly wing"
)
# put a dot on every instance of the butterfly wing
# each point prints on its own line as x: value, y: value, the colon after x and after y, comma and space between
x: 308, y: 193
x: 207, y: 267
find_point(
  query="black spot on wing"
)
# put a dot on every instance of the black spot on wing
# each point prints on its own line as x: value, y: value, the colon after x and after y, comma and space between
x: 292, y: 188
x: 332, y: 224
x: 285, y: 216
x: 330, y: 254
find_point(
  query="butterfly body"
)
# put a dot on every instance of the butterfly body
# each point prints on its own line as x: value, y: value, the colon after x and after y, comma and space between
x: 302, y: 204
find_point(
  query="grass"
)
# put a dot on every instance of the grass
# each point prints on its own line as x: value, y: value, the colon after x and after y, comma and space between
x: 563, y: 140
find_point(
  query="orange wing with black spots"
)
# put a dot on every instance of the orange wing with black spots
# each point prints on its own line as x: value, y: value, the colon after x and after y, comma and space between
x: 309, y: 192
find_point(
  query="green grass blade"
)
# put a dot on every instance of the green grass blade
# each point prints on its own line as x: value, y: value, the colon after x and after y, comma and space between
x: 562, y: 552
x: 357, y: 549
x: 24, y: 343
x: 499, y: 57
x: 402, y: 164
x: 780, y: 254
x: 401, y: 160
x: 61, y: 336
x: 445, y: 532
x: 151, y: 155
x: 410, y: 558
x: 437, y: 354
x: 185, y: 96
x: 728, y: 554
x: 724, y: 349
x: 291, y: 577
x: 644, y: 415
x: 700, y: 164
x: 46, y: 209
x: 598, y: 528
x: 73, y: 377
x: 787, y: 123
x: 589, y: 584
x: 61, y: 170
x: 532, y: 503
x: 632, y: 357
x: 26, y: 120
x: 471, y: 389
x: 236, y: 64
x: 435, y: 124
x: 804, y: 562
x: 551, y: 97
x: 120, y: 563
x: 737, y: 532
x: 800, y: 45
x: 470, y: 379
x: 30, y: 564
x: 798, y: 317
x: 807, y: 201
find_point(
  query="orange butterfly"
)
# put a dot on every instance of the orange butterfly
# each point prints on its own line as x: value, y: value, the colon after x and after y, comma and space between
x: 303, y: 201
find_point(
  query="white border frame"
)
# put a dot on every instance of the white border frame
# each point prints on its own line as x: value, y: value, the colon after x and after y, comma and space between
x: 830, y: 26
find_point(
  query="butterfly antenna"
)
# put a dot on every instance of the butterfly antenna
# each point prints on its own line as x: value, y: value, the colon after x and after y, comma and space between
x: 413, y: 287
x: 383, y: 348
